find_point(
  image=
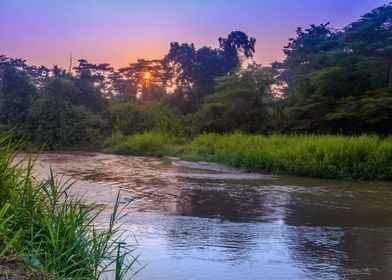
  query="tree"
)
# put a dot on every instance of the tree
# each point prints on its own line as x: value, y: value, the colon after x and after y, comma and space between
x: 242, y: 101
x: 370, y: 112
x: 209, y: 65
x: 145, y: 79
x: 36, y: 74
x: 370, y: 39
x: 17, y: 63
x: 96, y: 74
x: 195, y: 70
x: 182, y: 99
x: 17, y: 93
x: 58, y: 71
x: 179, y: 63
x: 329, y: 72
x: 124, y: 89
x: 302, y: 51
x: 236, y: 48
x: 86, y: 94
x: 58, y: 119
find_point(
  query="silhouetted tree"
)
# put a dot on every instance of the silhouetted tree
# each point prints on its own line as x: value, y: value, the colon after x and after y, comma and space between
x: 236, y: 48
x: 209, y: 65
x: 197, y: 69
x: 179, y: 63
x: 145, y: 79
x: 97, y: 74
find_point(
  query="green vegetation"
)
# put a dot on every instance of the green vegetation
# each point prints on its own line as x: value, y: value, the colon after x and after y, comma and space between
x: 331, y: 82
x: 324, y: 111
x: 337, y: 157
x: 147, y: 144
x: 49, y: 233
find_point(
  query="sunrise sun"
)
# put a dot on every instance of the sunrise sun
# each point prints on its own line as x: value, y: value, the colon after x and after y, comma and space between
x: 147, y: 76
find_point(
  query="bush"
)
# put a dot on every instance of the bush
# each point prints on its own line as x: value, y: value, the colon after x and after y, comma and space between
x: 147, y: 144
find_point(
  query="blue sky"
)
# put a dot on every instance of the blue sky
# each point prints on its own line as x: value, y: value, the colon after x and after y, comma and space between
x: 120, y: 31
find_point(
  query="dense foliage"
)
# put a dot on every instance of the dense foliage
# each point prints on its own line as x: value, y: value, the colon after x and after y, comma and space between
x: 331, y: 81
x: 341, y: 81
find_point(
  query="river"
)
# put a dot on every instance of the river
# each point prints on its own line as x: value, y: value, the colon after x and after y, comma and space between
x: 207, y: 221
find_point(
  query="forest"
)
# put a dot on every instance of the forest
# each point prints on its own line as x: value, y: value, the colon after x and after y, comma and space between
x: 335, y: 82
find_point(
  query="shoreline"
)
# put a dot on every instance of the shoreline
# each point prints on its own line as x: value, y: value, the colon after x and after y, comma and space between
x: 365, y: 157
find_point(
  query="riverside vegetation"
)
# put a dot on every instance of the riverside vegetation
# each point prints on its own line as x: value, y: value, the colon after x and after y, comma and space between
x: 45, y: 233
x: 324, y: 111
x: 334, y: 88
x: 331, y: 81
x: 327, y: 156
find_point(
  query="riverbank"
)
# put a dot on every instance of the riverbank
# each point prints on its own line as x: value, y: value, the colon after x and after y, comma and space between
x: 366, y: 157
x: 46, y: 233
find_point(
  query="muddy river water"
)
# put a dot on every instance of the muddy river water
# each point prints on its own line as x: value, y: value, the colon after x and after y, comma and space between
x: 208, y: 221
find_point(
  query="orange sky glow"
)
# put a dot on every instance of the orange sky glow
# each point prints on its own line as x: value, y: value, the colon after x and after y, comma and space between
x: 119, y: 32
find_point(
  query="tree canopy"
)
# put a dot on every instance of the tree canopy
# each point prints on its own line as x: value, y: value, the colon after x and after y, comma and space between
x: 331, y: 81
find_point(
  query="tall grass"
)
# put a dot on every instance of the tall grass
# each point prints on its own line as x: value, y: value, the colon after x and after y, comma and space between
x: 53, y: 231
x: 339, y: 157
x: 144, y: 144
x: 324, y: 156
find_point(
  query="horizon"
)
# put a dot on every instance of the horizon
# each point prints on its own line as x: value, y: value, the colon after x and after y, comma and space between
x: 45, y: 33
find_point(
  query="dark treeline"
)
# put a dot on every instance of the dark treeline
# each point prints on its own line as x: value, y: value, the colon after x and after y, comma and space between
x: 331, y: 81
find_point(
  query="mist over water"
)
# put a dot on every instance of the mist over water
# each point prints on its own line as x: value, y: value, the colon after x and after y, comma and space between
x: 208, y: 221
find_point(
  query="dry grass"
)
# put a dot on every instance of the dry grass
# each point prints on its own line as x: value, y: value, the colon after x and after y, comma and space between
x: 13, y: 268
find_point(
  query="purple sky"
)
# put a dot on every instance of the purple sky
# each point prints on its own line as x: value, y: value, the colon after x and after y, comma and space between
x: 121, y: 31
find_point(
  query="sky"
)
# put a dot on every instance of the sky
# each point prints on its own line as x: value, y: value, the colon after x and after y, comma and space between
x: 46, y: 32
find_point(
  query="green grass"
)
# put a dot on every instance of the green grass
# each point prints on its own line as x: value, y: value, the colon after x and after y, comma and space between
x: 52, y: 231
x: 145, y: 144
x: 323, y: 156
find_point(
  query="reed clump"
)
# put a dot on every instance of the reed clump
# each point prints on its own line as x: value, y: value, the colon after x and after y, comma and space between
x: 50, y: 232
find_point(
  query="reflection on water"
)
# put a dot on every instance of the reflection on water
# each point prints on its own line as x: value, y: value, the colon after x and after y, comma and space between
x: 208, y: 221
